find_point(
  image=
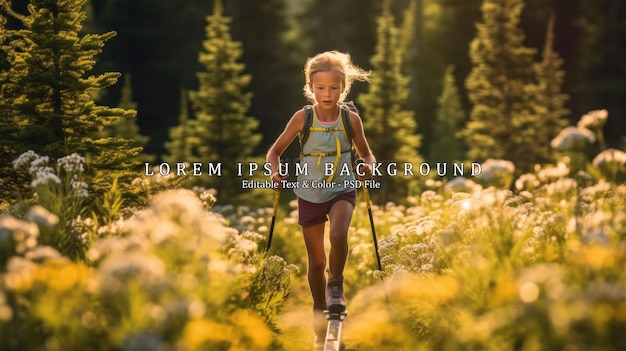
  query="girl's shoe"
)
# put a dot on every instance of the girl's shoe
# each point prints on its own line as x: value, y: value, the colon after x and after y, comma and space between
x: 334, y: 297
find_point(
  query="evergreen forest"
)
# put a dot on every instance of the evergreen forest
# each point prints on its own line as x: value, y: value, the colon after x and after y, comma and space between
x: 128, y: 130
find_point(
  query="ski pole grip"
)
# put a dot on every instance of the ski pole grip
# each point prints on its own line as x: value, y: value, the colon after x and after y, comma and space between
x: 365, y: 192
x: 358, y: 162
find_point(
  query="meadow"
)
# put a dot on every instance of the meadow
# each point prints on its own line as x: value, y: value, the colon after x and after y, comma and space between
x: 497, y: 262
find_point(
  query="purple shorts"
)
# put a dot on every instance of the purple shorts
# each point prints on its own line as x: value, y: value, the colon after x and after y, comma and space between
x: 310, y: 213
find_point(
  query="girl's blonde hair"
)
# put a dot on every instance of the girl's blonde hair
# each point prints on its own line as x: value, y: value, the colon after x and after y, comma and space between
x: 333, y: 61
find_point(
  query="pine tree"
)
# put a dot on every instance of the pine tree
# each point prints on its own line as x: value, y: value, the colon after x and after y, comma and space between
x: 408, y: 39
x: 390, y: 130
x: 503, y: 121
x: 447, y: 146
x: 182, y: 141
x: 127, y: 128
x: 53, y: 95
x: 226, y: 133
x: 5, y: 106
x: 10, y: 182
x: 551, y: 99
x: 273, y: 56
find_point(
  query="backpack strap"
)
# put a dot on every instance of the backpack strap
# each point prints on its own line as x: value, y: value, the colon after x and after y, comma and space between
x: 346, y: 107
x: 345, y: 115
x: 308, y: 122
x: 346, y: 127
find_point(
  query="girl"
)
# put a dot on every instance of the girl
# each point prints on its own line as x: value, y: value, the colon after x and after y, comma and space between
x: 329, y: 76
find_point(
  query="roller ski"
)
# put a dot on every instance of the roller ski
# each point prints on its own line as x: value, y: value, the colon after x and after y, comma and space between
x: 333, y: 332
x: 335, y: 313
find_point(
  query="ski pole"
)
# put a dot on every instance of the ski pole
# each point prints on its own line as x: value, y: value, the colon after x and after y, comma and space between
x: 269, y: 238
x: 369, y: 211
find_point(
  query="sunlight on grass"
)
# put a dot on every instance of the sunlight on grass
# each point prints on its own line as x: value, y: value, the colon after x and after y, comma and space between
x: 481, y: 266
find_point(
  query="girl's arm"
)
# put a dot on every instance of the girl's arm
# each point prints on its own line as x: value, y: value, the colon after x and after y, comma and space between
x: 361, y: 145
x: 294, y: 126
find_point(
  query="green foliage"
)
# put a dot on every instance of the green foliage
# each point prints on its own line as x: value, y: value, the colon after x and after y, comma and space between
x: 182, y: 138
x: 62, y: 190
x: 170, y: 275
x: 50, y: 93
x: 390, y: 130
x: 504, y: 123
x: 109, y: 206
x: 126, y: 128
x: 9, y: 179
x: 462, y: 270
x: 479, y: 269
x: 551, y: 101
x: 489, y: 268
x: 220, y: 103
x: 446, y: 146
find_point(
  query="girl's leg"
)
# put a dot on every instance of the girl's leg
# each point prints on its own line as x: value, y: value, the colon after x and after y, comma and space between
x: 340, y: 216
x: 314, y: 241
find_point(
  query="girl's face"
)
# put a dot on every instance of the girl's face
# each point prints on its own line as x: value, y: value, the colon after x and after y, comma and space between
x: 327, y: 87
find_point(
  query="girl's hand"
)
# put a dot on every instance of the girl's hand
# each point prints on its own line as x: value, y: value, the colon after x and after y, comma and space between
x: 276, y: 178
x: 363, y: 170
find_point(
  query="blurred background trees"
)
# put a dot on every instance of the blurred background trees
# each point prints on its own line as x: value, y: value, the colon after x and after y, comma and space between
x: 390, y: 128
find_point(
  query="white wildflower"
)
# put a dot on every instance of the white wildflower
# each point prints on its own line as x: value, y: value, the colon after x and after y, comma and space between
x: 431, y: 183
x: 431, y: 197
x: 593, y: 119
x: 460, y: 184
x: 497, y: 171
x: 25, y: 159
x: 20, y: 234
x: 43, y: 175
x: 72, y: 163
x: 494, y: 165
x: 80, y: 188
x: 610, y: 156
x: 116, y: 271
x: 208, y: 198
x: 596, y: 190
x: 526, y: 181
x: 43, y: 253
x: 428, y: 268
x: 245, y: 220
x: 41, y: 216
x: 39, y: 162
x: 551, y: 173
x: 20, y: 273
x: 253, y: 236
x: 111, y: 245
x: 218, y: 265
x: 561, y: 186
x: 572, y: 138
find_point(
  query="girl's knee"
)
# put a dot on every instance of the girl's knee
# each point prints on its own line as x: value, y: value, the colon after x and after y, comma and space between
x: 317, y: 265
x: 339, y: 238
